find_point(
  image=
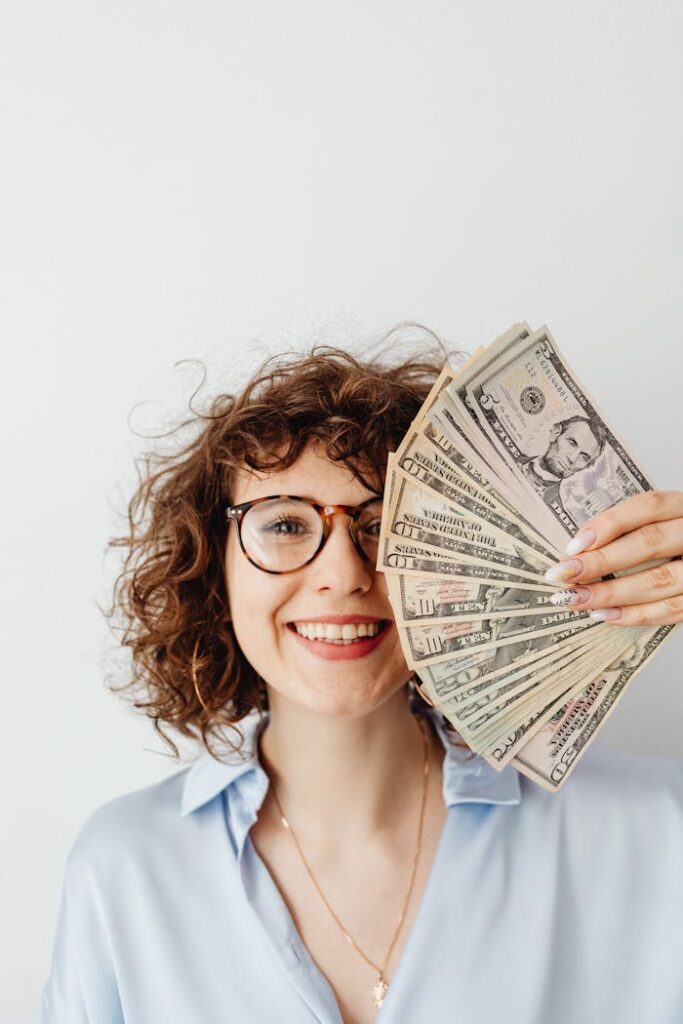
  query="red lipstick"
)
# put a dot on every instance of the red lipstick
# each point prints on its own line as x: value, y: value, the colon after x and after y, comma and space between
x: 359, y: 648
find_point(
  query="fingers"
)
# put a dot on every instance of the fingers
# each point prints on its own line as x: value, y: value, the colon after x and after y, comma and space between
x: 656, y: 585
x: 627, y: 515
x: 643, y: 532
x: 647, y: 543
x: 661, y: 613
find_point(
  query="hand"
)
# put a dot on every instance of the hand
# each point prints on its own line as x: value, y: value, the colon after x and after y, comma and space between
x: 645, y: 528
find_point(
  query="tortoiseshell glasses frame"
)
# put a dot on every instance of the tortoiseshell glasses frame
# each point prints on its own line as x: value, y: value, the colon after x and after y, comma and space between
x: 236, y: 513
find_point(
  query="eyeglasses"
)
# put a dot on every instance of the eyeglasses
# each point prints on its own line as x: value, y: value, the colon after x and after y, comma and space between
x: 282, y: 532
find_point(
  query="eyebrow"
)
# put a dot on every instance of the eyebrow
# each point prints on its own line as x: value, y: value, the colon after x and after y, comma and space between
x: 310, y: 497
x: 316, y: 501
x: 581, y: 450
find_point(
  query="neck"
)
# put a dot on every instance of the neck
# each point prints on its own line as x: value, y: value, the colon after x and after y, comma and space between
x: 345, y: 778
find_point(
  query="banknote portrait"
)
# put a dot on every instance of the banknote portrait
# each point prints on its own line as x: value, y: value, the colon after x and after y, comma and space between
x: 499, y: 598
x: 502, y: 628
x: 631, y: 657
x: 574, y: 444
x: 506, y: 654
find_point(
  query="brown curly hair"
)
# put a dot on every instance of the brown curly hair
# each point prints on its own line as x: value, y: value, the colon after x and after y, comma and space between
x: 169, y: 600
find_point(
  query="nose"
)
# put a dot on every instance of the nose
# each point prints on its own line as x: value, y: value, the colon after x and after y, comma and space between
x: 339, y: 565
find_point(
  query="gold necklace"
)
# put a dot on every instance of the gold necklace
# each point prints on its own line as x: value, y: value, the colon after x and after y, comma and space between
x: 381, y: 986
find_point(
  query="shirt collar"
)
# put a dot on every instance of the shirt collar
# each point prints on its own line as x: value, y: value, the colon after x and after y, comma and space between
x: 467, y: 778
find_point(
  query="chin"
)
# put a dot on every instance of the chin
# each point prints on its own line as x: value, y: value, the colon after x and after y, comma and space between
x: 557, y: 471
x: 340, y: 700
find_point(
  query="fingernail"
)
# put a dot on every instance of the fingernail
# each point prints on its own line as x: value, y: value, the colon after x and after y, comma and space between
x: 564, y: 597
x: 606, y: 614
x: 583, y: 540
x: 564, y: 571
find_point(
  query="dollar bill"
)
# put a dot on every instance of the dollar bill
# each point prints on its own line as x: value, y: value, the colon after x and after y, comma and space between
x: 508, y: 707
x: 507, y: 458
x: 439, y: 394
x: 487, y: 725
x: 482, y: 702
x: 440, y: 432
x: 506, y: 745
x: 456, y: 453
x: 483, y: 691
x: 551, y: 434
x: 417, y: 514
x: 424, y: 600
x: 418, y: 451
x: 397, y: 558
x: 444, y: 679
x: 425, y: 645
x: 551, y: 755
x: 447, y: 424
x: 531, y: 692
x: 463, y: 413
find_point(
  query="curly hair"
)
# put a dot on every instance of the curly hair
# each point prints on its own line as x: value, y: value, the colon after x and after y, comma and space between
x: 170, y: 599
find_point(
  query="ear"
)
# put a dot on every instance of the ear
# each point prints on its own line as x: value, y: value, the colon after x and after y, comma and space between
x: 555, y: 431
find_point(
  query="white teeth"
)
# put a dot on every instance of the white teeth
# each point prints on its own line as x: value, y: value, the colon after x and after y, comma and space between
x: 333, y: 633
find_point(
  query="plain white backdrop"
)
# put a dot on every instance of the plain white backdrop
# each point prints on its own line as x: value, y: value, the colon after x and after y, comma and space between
x: 221, y: 180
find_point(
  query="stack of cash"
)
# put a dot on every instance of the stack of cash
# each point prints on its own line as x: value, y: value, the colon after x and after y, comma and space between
x: 506, y: 460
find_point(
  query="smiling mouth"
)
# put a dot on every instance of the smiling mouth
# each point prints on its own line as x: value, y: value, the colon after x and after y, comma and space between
x: 327, y: 634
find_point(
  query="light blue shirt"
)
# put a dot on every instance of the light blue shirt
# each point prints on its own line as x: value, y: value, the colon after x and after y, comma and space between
x: 539, y: 908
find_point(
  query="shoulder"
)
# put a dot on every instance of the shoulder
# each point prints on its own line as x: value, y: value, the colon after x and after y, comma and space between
x: 130, y: 826
x: 629, y: 802
x: 617, y: 779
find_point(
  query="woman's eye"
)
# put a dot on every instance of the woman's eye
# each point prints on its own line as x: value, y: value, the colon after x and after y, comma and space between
x: 373, y: 528
x: 287, y: 527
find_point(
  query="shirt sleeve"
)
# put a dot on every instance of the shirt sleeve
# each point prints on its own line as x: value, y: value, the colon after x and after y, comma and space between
x: 81, y: 987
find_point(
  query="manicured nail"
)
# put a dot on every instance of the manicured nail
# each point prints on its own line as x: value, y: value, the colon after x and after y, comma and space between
x: 564, y: 597
x: 564, y: 571
x: 606, y: 614
x: 583, y: 540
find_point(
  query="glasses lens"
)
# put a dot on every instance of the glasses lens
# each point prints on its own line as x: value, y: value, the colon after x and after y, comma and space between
x: 281, y: 534
x: 368, y: 527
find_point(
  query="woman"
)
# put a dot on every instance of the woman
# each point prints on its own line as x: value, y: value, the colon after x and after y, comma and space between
x: 351, y: 855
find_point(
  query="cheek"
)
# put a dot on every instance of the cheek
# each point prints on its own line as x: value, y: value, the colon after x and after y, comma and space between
x: 254, y: 599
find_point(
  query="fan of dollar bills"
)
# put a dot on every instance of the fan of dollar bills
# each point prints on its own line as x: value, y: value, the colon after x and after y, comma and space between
x: 506, y: 460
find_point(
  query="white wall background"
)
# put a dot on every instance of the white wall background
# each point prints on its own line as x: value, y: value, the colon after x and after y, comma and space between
x: 183, y: 179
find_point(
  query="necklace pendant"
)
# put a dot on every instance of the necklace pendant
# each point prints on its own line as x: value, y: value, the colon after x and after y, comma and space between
x: 379, y: 990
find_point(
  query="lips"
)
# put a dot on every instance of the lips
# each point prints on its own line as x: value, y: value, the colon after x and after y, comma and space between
x: 331, y: 651
x: 355, y: 621
x: 339, y: 620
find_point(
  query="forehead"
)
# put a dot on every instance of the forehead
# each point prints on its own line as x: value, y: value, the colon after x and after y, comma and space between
x: 582, y: 433
x: 313, y: 475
